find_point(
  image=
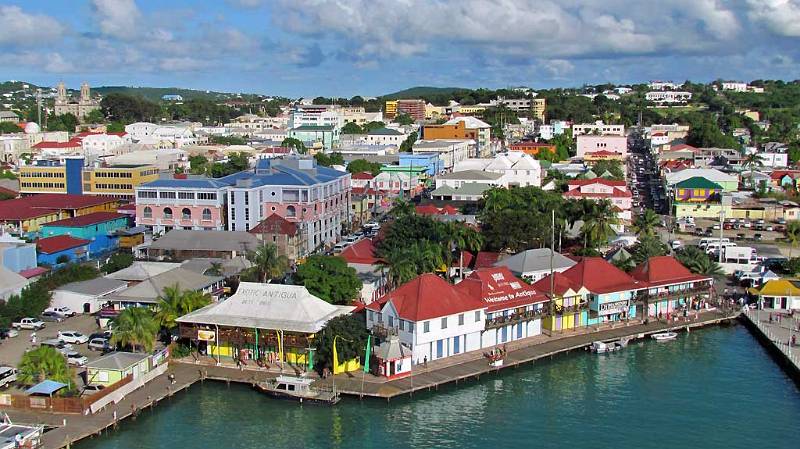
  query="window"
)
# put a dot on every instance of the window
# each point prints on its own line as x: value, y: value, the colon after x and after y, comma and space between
x: 246, y: 198
x: 207, y: 196
x: 391, y: 321
x: 402, y: 324
x: 186, y: 195
x: 290, y: 211
x: 186, y: 214
x: 147, y: 194
x: 148, y: 213
x: 426, y: 327
x: 206, y: 214
x: 167, y: 212
x: 477, y: 315
x: 444, y: 323
x: 371, y: 315
x: 461, y: 319
x: 410, y: 326
x: 233, y: 198
x: 168, y: 195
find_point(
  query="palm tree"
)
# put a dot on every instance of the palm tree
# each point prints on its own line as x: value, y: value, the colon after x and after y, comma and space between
x: 135, y: 326
x: 406, y: 263
x: 401, y: 208
x: 457, y: 237
x: 44, y: 362
x: 645, y: 224
x: 792, y: 235
x: 598, y: 223
x: 698, y: 262
x: 174, y: 303
x: 648, y: 246
x: 752, y: 160
x: 267, y: 263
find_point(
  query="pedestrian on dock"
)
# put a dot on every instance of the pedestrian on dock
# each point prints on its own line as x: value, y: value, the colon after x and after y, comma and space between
x: 794, y: 340
x: 171, y: 377
x: 425, y: 361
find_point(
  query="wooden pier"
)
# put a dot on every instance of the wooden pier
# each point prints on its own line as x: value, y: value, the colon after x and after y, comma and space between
x: 776, y: 336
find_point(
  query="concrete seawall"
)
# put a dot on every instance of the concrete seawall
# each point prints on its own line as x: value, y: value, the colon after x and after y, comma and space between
x: 776, y: 336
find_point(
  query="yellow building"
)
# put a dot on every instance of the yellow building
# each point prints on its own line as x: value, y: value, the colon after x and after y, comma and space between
x: 713, y: 210
x: 391, y: 109
x: 538, y: 106
x: 118, y: 181
x: 433, y: 112
x: 471, y: 109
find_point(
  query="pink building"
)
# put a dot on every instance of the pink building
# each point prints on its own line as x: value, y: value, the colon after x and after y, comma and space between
x: 168, y: 204
x: 589, y: 143
x: 602, y: 189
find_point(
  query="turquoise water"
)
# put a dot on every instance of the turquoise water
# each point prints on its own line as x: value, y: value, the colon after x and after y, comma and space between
x: 715, y: 388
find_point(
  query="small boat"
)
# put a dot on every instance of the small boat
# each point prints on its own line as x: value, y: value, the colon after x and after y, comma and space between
x: 664, y: 336
x: 601, y: 347
x: 298, y: 389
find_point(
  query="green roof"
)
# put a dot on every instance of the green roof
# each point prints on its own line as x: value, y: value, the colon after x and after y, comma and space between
x: 385, y: 132
x: 470, y: 188
x: 698, y: 182
x: 312, y: 128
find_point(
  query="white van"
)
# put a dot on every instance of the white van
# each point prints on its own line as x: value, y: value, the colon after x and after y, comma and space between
x: 714, y: 247
x: 339, y: 247
x: 704, y: 242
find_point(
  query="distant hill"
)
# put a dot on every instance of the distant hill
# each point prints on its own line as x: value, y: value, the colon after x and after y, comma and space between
x: 423, y: 91
x: 155, y: 93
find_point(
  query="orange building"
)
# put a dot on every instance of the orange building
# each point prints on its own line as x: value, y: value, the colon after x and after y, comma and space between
x: 533, y: 148
x: 456, y: 131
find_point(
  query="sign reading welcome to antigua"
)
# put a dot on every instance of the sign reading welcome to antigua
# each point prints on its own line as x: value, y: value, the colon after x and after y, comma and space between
x: 510, y: 296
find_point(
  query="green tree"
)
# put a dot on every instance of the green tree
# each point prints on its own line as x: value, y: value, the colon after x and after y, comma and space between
x: 698, y: 261
x: 329, y: 159
x: 44, y: 363
x: 647, y: 247
x: 215, y: 269
x: 297, y: 145
x: 401, y: 208
x: 613, y: 167
x: 408, y: 145
x: 751, y: 161
x: 95, y: 116
x: 117, y: 262
x: 135, y: 327
x: 598, y: 223
x: 405, y: 263
x: 363, y: 165
x: 174, y: 303
x: 64, y: 122
x: 124, y: 108
x: 352, y: 128
x: 646, y: 223
x: 793, y: 235
x: 8, y: 127
x: 267, y: 263
x: 198, y: 164
x: 403, y: 119
x: 351, y: 343
x: 372, y: 126
x: 115, y: 127
x: 228, y: 140
x: 329, y: 278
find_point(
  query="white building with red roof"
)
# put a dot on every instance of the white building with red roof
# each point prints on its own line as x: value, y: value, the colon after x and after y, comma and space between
x: 666, y: 285
x: 602, y: 189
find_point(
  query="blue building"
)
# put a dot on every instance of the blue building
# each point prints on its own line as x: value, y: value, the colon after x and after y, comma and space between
x: 100, y: 228
x: 431, y: 161
x: 16, y: 254
x: 62, y: 249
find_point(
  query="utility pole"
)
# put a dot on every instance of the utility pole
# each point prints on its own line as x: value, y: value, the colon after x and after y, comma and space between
x: 39, y: 106
x: 552, y: 280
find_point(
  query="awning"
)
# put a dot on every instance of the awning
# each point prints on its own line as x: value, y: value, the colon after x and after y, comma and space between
x: 47, y: 388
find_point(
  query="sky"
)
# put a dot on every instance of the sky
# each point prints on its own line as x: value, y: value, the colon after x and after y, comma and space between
x: 300, y: 48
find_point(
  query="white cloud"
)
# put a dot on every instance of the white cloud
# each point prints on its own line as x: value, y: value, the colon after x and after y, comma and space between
x: 780, y: 16
x: 182, y: 64
x: 245, y: 3
x: 117, y: 18
x: 18, y: 27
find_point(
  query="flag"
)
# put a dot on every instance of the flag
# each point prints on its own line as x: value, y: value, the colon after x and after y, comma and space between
x: 367, y: 353
x: 336, y: 369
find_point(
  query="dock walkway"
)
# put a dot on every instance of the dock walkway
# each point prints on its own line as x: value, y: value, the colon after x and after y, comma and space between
x: 777, y: 335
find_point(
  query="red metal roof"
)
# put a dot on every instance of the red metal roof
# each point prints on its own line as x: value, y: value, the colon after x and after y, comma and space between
x: 33, y: 272
x: 72, y: 143
x: 499, y: 289
x: 65, y: 201
x: 599, y: 276
x: 363, y: 251
x: 682, y: 147
x: 86, y: 220
x: 615, y: 194
x: 12, y: 210
x: 664, y: 270
x: 362, y: 175
x: 426, y: 297
x: 449, y: 210
x: 59, y: 243
x: 605, y: 182
x: 275, y: 224
x: 561, y: 284
x: 486, y: 259
x: 427, y: 209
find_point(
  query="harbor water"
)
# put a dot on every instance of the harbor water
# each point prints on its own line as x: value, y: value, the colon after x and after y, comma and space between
x: 713, y: 388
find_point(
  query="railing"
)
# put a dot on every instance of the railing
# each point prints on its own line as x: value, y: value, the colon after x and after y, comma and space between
x: 379, y: 330
x: 645, y: 296
x: 514, y: 318
x: 561, y: 310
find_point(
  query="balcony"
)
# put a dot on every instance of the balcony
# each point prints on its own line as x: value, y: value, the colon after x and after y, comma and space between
x: 514, y: 318
x: 644, y: 296
x: 381, y: 331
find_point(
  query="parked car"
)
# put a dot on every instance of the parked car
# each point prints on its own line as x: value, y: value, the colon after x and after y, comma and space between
x: 75, y: 358
x: 757, y: 237
x: 53, y: 317
x: 99, y: 344
x: 104, y: 334
x: 66, y: 311
x: 8, y: 333
x: 781, y: 221
x: 74, y: 337
x: 91, y: 389
x: 28, y: 323
x: 7, y: 376
x: 58, y: 344
x: 676, y: 244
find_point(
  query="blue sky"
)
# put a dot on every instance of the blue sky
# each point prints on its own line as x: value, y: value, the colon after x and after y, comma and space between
x: 371, y: 47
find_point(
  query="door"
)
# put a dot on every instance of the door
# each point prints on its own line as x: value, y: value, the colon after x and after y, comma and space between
x: 87, y: 308
x: 519, y: 330
x: 391, y: 369
x: 456, y: 344
x: 439, y: 349
x: 504, y: 334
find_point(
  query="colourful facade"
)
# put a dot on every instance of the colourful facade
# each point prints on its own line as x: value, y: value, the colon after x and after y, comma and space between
x: 54, y: 250
x: 100, y: 228
x: 697, y: 189
x: 26, y: 215
x: 73, y: 177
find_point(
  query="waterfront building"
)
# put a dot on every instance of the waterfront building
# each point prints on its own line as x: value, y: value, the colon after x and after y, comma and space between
x: 569, y: 304
x: 180, y: 245
x: 147, y: 292
x: 115, y: 366
x: 26, y: 215
x: 394, y: 358
x: 666, y: 284
x: 781, y: 294
x: 534, y: 264
x: 61, y: 249
x: 270, y: 321
x: 99, y: 227
x: 361, y: 257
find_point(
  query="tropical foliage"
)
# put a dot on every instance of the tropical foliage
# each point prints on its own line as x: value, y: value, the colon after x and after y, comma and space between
x: 647, y: 247
x: 329, y: 278
x: 698, y: 261
x: 793, y: 234
x: 267, y: 263
x: 352, y: 334
x: 117, y: 262
x: 646, y: 223
x: 44, y: 363
x: 135, y: 327
x: 174, y: 303
x: 599, y: 219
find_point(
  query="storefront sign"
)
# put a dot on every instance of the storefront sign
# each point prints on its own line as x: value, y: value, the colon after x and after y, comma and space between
x: 206, y: 335
x: 510, y: 296
x: 607, y: 308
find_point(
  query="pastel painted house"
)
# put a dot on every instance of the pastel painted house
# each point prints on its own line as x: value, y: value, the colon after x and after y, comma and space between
x: 666, y: 285
x: 51, y: 249
x: 100, y: 228
x: 115, y: 366
x: 697, y: 189
x: 602, y: 189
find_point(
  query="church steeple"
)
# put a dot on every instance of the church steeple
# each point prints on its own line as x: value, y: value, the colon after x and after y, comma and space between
x: 85, y: 93
x: 61, y: 95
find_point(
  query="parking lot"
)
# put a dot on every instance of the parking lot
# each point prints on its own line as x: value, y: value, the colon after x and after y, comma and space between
x: 755, y: 233
x: 12, y: 349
